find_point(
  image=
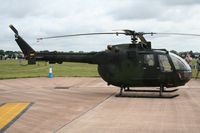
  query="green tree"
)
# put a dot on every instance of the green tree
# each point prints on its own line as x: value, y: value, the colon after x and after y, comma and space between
x: 1, y: 52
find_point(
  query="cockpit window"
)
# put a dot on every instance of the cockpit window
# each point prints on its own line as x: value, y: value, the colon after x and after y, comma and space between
x: 149, y: 59
x: 164, y: 63
x: 179, y: 63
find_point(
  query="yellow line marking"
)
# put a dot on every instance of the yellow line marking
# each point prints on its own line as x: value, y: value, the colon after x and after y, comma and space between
x: 10, y: 111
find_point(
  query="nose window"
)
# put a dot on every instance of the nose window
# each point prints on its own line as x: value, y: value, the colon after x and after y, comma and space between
x: 164, y: 63
x: 179, y: 63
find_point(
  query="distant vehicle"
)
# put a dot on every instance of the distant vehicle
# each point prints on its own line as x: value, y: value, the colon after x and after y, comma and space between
x: 134, y: 64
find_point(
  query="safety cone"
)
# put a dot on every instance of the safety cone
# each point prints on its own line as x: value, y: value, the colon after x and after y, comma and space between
x: 50, y: 75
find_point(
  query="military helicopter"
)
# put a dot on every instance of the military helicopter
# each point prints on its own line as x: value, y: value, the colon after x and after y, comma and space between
x: 134, y: 64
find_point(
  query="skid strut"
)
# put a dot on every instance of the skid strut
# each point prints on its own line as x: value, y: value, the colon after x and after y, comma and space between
x: 161, y: 90
x: 121, y: 90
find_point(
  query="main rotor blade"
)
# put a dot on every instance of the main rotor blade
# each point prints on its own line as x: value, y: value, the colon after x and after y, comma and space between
x: 125, y: 32
x: 179, y: 34
x: 84, y: 34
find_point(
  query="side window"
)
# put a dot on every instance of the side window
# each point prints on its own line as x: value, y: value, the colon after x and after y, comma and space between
x: 149, y: 60
x: 164, y: 63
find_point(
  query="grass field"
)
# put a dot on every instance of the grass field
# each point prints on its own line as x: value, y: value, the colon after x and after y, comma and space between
x: 13, y: 69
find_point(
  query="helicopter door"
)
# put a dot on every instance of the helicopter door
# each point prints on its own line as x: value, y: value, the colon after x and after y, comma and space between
x: 166, y: 69
x: 150, y: 71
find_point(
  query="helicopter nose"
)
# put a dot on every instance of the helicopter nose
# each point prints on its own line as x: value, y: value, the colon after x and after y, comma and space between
x: 185, y: 75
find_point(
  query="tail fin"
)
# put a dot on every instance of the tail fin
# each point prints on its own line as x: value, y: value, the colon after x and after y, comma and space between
x: 24, y: 46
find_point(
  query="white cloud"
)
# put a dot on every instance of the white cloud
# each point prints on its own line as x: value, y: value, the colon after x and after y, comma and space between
x: 180, y: 2
x: 38, y: 18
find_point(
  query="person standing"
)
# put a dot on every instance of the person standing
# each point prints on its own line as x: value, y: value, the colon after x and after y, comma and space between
x: 188, y: 59
x: 198, y: 66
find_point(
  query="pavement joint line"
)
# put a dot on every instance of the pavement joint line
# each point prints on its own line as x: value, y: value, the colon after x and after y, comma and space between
x: 92, y: 108
x: 16, y: 117
x: 2, y: 104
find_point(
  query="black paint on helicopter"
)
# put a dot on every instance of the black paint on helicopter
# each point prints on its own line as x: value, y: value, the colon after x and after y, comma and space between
x: 124, y: 65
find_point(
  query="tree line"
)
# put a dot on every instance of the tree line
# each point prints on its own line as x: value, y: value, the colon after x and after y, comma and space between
x: 18, y: 54
x: 10, y: 54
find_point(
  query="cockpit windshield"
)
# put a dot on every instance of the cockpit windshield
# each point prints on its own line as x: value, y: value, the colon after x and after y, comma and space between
x: 179, y: 63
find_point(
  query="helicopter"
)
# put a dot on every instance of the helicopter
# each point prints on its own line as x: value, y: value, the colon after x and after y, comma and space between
x: 133, y: 64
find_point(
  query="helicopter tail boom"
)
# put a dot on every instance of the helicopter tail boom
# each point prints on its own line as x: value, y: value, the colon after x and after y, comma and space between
x: 52, y: 57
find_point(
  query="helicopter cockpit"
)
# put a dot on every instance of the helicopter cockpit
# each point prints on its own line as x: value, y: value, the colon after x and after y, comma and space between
x: 164, y: 66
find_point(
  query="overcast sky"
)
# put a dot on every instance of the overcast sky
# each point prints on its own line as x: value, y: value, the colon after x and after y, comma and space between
x: 40, y: 18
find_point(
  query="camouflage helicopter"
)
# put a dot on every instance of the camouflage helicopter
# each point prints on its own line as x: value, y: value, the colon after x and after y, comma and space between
x: 134, y: 64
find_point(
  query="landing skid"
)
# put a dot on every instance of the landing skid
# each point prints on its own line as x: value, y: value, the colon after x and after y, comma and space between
x: 167, y: 91
x: 148, y: 96
x: 160, y: 95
